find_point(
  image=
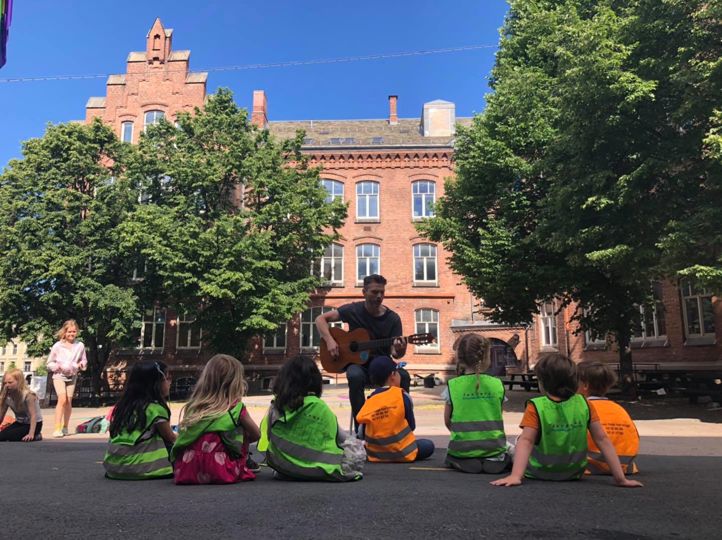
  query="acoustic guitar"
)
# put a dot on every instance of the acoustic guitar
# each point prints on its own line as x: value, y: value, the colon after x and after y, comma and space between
x: 355, y: 347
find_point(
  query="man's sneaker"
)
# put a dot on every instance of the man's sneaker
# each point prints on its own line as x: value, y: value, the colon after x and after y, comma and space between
x: 65, y: 431
x: 58, y: 433
x: 251, y: 464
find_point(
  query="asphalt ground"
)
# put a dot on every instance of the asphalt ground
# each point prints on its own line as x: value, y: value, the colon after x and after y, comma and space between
x: 55, y: 488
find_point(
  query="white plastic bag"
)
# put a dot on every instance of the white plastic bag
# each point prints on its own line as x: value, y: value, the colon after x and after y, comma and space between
x: 354, y: 456
x: 38, y: 384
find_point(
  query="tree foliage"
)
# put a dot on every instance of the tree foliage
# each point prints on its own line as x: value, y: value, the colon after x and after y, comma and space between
x: 595, y: 167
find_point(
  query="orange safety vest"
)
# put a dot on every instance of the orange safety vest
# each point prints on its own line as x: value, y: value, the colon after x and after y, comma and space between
x: 387, y: 434
x: 621, y: 431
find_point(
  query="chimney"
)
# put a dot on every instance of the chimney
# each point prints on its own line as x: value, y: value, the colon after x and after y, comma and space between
x: 259, y: 114
x: 438, y: 119
x: 393, y: 115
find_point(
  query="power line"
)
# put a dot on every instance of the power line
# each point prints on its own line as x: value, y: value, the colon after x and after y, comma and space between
x: 291, y: 63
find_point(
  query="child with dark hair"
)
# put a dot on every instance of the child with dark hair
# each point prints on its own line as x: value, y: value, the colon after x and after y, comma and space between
x: 304, y: 440
x: 595, y: 380
x: 388, y: 418
x: 140, y: 431
x: 553, y: 441
x: 473, y: 411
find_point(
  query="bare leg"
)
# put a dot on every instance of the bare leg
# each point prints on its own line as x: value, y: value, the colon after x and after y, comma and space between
x: 60, y: 391
x: 70, y: 391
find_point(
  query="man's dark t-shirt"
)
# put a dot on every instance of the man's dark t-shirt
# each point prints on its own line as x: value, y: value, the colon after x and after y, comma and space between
x: 387, y: 325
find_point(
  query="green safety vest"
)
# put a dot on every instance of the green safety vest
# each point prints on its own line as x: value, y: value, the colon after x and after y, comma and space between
x: 227, y: 426
x: 477, y: 427
x: 140, y: 454
x: 561, y: 453
x: 303, y: 443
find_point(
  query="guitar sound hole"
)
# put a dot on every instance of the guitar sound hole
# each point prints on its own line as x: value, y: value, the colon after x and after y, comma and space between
x: 353, y: 346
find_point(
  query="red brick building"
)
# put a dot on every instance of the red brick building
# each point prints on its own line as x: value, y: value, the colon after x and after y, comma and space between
x: 390, y: 171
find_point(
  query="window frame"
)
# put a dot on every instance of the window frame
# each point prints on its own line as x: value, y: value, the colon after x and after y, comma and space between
x: 123, y: 125
x: 331, y: 194
x: 697, y: 294
x: 367, y: 197
x: 548, y: 321
x: 332, y: 259
x: 275, y: 349
x: 434, y: 347
x: 425, y: 259
x: 314, y: 311
x: 426, y: 211
x: 155, y: 120
x: 182, y: 320
x: 155, y: 325
x: 369, y: 258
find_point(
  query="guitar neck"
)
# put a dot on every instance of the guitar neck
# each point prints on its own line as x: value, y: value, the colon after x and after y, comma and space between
x: 375, y: 343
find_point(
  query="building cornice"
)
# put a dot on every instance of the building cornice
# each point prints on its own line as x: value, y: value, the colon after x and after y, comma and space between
x: 395, y: 159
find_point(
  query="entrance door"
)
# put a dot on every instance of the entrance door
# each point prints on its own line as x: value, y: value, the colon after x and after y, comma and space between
x: 502, y: 358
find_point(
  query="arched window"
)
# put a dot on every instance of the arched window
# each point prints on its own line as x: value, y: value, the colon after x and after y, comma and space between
x: 331, y: 264
x: 423, y: 197
x: 334, y: 189
x: 367, y: 200
x: 368, y: 260
x: 152, y: 117
x: 425, y: 263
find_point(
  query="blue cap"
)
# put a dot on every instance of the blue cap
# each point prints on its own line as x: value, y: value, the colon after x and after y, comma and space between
x: 380, y: 369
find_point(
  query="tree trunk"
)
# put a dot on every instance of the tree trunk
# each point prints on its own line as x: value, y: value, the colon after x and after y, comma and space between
x: 627, y: 381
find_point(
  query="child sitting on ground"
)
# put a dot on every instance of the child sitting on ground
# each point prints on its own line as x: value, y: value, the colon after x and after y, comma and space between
x: 553, y: 441
x: 305, y: 442
x: 16, y: 396
x: 140, y: 432
x: 595, y: 380
x: 215, y: 428
x: 473, y: 411
x: 388, y: 418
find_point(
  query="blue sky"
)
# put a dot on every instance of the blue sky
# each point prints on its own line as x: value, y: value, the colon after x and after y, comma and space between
x: 74, y: 37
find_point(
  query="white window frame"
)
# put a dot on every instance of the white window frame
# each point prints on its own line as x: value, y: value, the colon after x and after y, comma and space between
x: 376, y: 255
x: 699, y: 295
x: 27, y: 366
x: 281, y: 331
x: 367, y: 197
x: 184, y: 342
x: 123, y: 125
x: 418, y: 256
x: 422, y: 326
x: 154, y: 329
x: 308, y: 327
x: 428, y: 199
x: 332, y: 255
x: 157, y: 115
x: 333, y: 191
x: 548, y: 337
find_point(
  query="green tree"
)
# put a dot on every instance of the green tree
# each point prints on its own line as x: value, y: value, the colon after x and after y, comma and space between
x: 585, y: 176
x: 230, y: 223
x: 59, y: 213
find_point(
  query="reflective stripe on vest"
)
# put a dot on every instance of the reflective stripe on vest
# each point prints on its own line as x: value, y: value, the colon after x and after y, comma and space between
x: 139, y: 455
x: 303, y: 443
x: 621, y: 430
x: 388, y: 435
x: 477, y: 427
x: 561, y: 453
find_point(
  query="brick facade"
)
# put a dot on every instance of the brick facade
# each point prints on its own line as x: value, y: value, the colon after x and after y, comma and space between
x: 393, y: 154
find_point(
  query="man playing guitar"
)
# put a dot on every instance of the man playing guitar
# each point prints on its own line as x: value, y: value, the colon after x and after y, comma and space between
x: 380, y: 322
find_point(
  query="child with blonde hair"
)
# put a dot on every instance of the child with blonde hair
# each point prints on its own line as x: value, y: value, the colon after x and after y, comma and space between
x: 595, y: 380
x: 553, y: 441
x: 215, y: 428
x: 66, y: 359
x: 473, y: 411
x: 16, y: 395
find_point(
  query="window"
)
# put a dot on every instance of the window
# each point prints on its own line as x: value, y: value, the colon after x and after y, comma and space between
x: 698, y: 312
x: 548, y: 322
x: 275, y: 341
x: 126, y: 132
x: 310, y: 338
x: 152, y: 330
x: 653, y: 325
x: 189, y: 333
x: 152, y: 117
x: 15, y: 349
x: 140, y: 268
x: 427, y: 322
x: 424, y: 263
x: 333, y: 188
x: 27, y: 367
x: 368, y: 260
x: 423, y: 198
x: 330, y: 266
x: 367, y: 200
x: 2, y: 367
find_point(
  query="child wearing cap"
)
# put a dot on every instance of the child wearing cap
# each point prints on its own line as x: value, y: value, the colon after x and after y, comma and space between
x: 388, y: 418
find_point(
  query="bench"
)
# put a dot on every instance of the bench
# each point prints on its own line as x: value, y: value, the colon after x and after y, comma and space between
x: 526, y: 380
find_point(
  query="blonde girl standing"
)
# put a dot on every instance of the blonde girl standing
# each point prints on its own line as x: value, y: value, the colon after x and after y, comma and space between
x: 67, y: 358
